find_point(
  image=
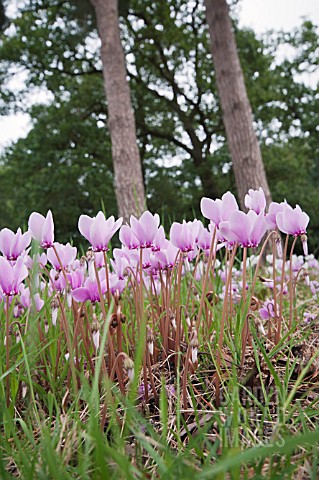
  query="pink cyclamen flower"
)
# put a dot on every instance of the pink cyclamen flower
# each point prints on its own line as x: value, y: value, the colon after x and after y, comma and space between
x: 143, y: 232
x: 145, y: 229
x: 274, y: 208
x: 99, y: 231
x: 89, y: 291
x: 119, y: 266
x: 165, y: 258
x: 220, y: 209
x: 42, y: 228
x: 183, y: 236
x: 160, y: 240
x: 75, y: 278
x: 66, y: 253
x: 246, y: 229
x: 26, y: 299
x: 268, y: 310
x: 128, y: 239
x: 12, y: 245
x: 204, y: 238
x: 37, y: 260
x: 255, y: 200
x: 292, y: 221
x: 12, y: 276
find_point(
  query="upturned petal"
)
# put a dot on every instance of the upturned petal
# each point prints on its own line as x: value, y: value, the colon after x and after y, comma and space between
x: 6, y: 276
x: 84, y: 226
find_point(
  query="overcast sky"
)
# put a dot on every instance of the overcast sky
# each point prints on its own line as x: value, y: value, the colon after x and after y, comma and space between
x: 261, y: 15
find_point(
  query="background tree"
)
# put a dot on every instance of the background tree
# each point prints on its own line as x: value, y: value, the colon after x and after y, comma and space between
x: 237, y: 113
x: 181, y: 136
x: 129, y: 186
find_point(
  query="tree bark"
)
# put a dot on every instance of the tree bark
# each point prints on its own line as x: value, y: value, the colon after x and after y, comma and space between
x: 243, y: 144
x: 129, y: 186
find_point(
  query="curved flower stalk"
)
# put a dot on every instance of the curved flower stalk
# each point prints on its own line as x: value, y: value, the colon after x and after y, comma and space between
x: 267, y: 311
x: 42, y: 228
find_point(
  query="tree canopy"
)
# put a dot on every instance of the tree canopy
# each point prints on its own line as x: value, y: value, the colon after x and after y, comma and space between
x: 65, y: 161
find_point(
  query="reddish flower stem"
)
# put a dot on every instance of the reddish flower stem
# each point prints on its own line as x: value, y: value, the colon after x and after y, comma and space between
x: 291, y: 292
x: 202, y: 300
x: 7, y: 352
x: 222, y: 325
x: 278, y: 323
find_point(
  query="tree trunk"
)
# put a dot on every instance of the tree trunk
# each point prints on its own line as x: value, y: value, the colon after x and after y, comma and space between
x: 129, y: 187
x: 243, y: 144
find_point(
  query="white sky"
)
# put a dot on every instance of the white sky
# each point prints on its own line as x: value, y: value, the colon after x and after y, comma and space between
x: 261, y: 15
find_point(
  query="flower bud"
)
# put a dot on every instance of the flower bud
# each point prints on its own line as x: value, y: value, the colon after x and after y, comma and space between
x: 194, y: 345
x: 95, y: 329
x: 150, y: 340
x: 173, y: 320
x: 55, y: 308
x: 128, y: 365
x: 304, y: 241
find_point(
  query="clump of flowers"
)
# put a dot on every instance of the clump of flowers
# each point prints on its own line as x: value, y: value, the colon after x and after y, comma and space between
x: 149, y: 268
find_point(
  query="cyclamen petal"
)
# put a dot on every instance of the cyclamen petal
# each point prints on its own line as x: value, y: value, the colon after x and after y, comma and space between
x: 42, y: 228
x: 258, y: 229
x: 220, y: 209
x: 36, y: 221
x: 255, y: 200
x: 12, y: 276
x: 211, y: 209
x: 66, y: 253
x: 160, y: 240
x: 229, y: 204
x: 99, y: 233
x: 239, y: 224
x: 128, y: 238
x: 274, y: 208
x: 81, y: 294
x: 6, y: 276
x: 12, y: 245
x: 227, y: 234
x: 48, y: 230
x: 84, y: 226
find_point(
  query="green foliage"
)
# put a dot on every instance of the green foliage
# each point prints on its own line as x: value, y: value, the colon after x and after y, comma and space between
x: 179, y: 123
x: 64, y: 164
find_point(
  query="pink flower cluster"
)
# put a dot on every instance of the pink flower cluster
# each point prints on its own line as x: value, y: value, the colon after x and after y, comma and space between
x: 143, y: 238
x: 247, y: 229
